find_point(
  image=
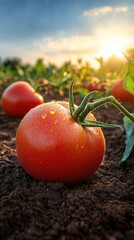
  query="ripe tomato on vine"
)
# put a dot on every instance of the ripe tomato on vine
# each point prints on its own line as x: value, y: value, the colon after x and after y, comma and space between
x: 51, y: 145
x: 120, y: 93
x: 59, y: 141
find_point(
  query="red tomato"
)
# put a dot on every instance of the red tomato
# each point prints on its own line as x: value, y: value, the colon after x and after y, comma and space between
x: 43, y: 81
x: 120, y: 93
x: 95, y: 87
x: 8, y: 79
x: 19, y: 98
x: 52, y: 146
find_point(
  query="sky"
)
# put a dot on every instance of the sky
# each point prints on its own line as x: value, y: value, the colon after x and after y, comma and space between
x: 63, y: 30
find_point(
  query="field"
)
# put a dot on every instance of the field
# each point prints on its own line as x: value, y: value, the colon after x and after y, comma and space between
x: 100, y: 208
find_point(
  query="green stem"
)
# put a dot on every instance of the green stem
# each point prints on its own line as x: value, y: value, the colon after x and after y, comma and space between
x: 80, y: 109
x: 98, y: 103
x: 71, y: 100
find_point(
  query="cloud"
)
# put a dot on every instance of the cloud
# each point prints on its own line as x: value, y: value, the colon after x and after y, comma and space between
x: 75, y: 44
x: 121, y: 9
x: 104, y: 10
x: 87, y: 47
x: 54, y: 50
x: 98, y: 11
x: 26, y: 54
x: 65, y: 48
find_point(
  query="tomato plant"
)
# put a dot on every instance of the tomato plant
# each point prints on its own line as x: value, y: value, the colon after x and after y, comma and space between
x: 59, y: 141
x: 19, y: 97
x: 120, y: 93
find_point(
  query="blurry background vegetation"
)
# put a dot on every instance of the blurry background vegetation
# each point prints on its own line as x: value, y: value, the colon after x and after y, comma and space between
x: 52, y: 78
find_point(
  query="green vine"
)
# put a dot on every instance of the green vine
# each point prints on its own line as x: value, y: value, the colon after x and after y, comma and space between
x: 86, y: 107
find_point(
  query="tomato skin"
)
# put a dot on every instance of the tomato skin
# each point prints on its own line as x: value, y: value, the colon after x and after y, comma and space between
x: 19, y: 98
x: 52, y: 146
x: 120, y: 93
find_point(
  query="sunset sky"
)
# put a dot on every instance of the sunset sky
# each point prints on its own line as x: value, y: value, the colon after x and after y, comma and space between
x: 59, y: 30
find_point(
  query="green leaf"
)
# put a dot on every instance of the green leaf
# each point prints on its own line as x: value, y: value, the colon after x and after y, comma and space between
x: 129, y: 129
x: 92, y: 123
x: 129, y: 78
x: 66, y: 79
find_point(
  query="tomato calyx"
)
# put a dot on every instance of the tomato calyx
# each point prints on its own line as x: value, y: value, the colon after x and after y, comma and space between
x: 86, y: 107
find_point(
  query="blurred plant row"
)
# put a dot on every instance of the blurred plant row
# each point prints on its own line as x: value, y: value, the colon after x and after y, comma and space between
x: 51, y: 78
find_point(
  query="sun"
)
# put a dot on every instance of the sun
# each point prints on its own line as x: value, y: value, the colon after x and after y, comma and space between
x: 111, y: 49
x: 112, y: 45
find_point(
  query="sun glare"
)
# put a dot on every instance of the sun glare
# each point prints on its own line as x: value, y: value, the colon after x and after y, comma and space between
x: 112, y: 50
x: 112, y: 46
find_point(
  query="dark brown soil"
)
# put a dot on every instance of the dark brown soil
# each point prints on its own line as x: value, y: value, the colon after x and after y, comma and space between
x: 100, y: 208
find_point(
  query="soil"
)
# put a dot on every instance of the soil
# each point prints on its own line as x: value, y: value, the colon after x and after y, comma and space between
x: 101, y: 208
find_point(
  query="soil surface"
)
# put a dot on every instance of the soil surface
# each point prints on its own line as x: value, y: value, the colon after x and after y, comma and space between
x: 100, y: 208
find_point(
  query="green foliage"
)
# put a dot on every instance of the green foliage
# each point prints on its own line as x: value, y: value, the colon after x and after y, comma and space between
x: 57, y: 79
x: 52, y: 78
x: 129, y: 78
x: 129, y: 129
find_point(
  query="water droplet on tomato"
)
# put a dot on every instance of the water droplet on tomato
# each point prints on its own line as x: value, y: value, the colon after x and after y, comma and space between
x: 52, y: 112
x: 56, y: 121
x: 77, y: 146
x: 44, y: 116
x: 51, y: 130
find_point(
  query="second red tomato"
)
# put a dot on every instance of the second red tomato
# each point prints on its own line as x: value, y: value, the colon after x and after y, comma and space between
x: 19, y: 97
